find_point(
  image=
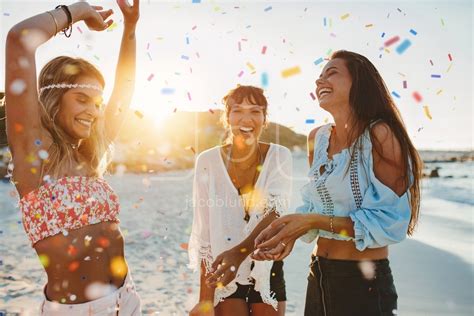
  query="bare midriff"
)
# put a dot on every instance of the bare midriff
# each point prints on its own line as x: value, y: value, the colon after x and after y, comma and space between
x: 346, y: 250
x: 90, y: 255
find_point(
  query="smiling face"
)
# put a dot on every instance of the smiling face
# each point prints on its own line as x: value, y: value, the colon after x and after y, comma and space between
x: 79, y: 109
x: 246, y: 119
x: 333, y: 86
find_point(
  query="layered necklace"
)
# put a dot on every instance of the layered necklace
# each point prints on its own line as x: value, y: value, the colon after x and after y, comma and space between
x: 243, y: 191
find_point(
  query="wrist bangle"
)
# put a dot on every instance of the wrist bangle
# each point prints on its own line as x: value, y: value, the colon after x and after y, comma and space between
x: 55, y: 22
x: 331, y: 224
x: 69, y: 20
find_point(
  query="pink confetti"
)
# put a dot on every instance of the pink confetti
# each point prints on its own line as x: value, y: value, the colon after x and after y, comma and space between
x: 210, y: 110
x: 197, y: 54
x: 431, y: 62
x: 264, y: 50
x: 79, y: 29
x: 417, y: 96
x: 404, y: 84
x: 190, y: 70
x: 392, y: 41
x: 189, y: 96
x: 312, y: 95
x: 194, y: 27
x: 148, y: 46
x: 150, y: 77
x: 450, y: 57
x: 241, y: 73
x: 240, y: 47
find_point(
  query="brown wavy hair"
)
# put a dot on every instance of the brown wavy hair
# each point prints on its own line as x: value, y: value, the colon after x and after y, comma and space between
x: 370, y: 101
x: 94, y: 150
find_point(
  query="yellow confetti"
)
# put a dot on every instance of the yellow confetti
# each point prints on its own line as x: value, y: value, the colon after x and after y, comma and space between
x: 112, y: 27
x: 369, y: 25
x: 439, y: 91
x: 449, y: 68
x: 427, y: 112
x: 291, y: 72
x: 345, y: 16
x: 118, y: 267
x: 387, y: 50
x: 44, y: 259
x: 251, y: 67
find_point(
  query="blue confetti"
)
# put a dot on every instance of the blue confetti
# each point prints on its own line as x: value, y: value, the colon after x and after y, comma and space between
x: 196, y: 1
x: 268, y: 9
x: 310, y: 121
x: 435, y: 76
x: 184, y: 57
x: 167, y: 91
x: 383, y: 34
x: 187, y: 40
x: 412, y: 31
x: 324, y: 21
x: 318, y: 61
x: 395, y: 94
x: 403, y: 46
x: 264, y: 79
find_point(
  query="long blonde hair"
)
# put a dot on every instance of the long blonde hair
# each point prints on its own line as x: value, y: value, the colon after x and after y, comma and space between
x: 94, y: 150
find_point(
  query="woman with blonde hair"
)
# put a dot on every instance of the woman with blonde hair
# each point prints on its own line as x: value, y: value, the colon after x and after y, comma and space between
x: 60, y: 134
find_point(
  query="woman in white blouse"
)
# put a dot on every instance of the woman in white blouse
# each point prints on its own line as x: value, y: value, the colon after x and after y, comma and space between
x: 239, y: 189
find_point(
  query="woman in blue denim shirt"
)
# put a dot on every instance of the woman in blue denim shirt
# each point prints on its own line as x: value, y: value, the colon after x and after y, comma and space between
x: 363, y: 194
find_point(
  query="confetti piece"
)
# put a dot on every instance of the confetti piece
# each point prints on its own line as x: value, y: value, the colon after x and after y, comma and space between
x: 196, y: 1
x: 184, y: 57
x: 118, y: 267
x: 268, y: 9
x: 6, y: 14
x: 431, y: 62
x: 383, y: 34
x: 404, y: 84
x: 290, y: 72
x: 44, y: 259
x: 150, y: 77
x: 148, y: 46
x: 395, y: 94
x: 194, y: 27
x: 264, y: 79
x: 264, y: 50
x: 251, y: 67
x: 449, y: 68
x: 442, y: 22
x: 189, y: 96
x: 324, y: 21
x: 439, y: 92
x: 312, y: 96
x: 240, y: 46
x: 79, y: 29
x: 345, y: 16
x: 167, y: 91
x: 450, y: 57
x: 403, y: 46
x: 73, y: 266
x: 318, y: 61
x: 412, y: 31
x: 332, y: 34
x: 175, y: 109
x: 392, y: 41
x: 310, y: 121
x: 210, y: 110
x: 187, y: 40
x: 240, y: 73
x: 426, y: 109
x: 149, y: 56
x: 139, y: 114
x: 417, y: 96
x: 369, y: 25
x: 184, y: 246
x: 435, y: 76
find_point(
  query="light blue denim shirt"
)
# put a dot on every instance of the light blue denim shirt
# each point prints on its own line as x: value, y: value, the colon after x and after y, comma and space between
x: 348, y: 188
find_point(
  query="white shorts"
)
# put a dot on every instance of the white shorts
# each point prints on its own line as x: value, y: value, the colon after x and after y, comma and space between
x: 123, y: 301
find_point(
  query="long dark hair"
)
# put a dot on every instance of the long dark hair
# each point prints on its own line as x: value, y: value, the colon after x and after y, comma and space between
x: 370, y: 101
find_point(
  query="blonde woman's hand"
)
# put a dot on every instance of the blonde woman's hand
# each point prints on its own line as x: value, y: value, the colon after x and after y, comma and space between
x: 95, y: 17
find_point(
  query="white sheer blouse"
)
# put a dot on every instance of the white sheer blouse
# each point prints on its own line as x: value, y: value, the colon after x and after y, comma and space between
x: 219, y: 224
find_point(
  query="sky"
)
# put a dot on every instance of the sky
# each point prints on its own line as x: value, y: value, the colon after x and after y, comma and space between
x: 189, y: 55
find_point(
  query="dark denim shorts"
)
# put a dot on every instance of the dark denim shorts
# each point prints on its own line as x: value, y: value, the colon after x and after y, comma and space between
x: 339, y: 287
x: 277, y: 286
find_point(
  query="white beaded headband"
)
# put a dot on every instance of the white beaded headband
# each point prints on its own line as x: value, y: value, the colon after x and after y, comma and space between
x: 70, y: 86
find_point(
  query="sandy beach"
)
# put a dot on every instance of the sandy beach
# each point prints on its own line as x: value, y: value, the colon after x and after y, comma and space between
x: 433, y: 270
